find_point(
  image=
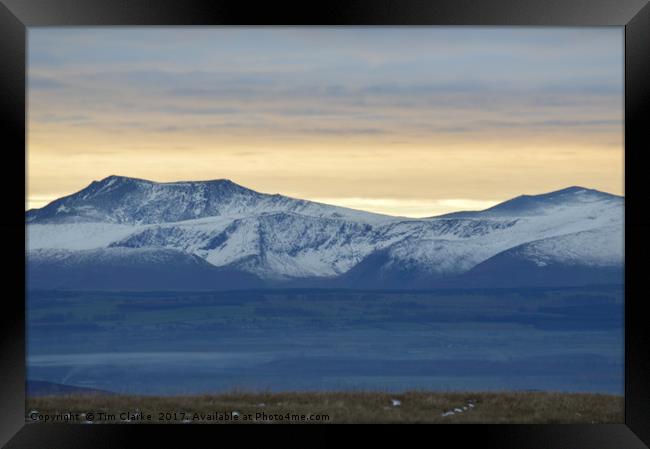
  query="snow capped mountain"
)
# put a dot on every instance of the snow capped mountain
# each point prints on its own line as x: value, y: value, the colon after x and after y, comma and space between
x: 122, y: 200
x: 547, y: 203
x: 285, y: 240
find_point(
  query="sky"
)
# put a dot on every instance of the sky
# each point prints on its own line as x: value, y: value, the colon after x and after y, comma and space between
x: 411, y: 121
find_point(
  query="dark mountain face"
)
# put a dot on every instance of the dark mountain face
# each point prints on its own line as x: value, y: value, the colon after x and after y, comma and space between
x: 509, y: 269
x: 513, y: 269
x: 131, y: 269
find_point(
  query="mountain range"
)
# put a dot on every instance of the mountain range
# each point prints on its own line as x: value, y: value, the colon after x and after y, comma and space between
x: 124, y: 233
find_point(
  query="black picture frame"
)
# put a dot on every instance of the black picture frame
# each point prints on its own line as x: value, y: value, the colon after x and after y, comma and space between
x: 17, y: 15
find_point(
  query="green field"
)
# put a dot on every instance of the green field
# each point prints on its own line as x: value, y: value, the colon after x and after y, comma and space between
x: 335, y: 407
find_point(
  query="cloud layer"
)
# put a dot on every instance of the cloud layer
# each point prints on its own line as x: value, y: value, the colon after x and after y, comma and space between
x: 413, y: 114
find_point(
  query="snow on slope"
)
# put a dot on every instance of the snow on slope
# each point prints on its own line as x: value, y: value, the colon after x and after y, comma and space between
x: 597, y: 247
x: 75, y: 236
x: 453, y: 244
x: 123, y: 200
x: 276, y: 237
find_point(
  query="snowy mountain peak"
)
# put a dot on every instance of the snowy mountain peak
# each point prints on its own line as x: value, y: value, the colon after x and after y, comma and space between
x: 113, y: 178
x: 569, y: 192
x: 116, y: 181
x: 545, y: 203
x: 282, y: 239
x: 124, y: 200
x: 534, y: 204
x: 120, y: 199
x: 573, y: 189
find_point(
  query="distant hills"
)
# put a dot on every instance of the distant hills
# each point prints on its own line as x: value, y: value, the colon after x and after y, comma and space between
x: 132, y: 234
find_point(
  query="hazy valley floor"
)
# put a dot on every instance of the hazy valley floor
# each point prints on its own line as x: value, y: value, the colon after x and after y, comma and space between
x: 334, y: 407
x: 171, y: 343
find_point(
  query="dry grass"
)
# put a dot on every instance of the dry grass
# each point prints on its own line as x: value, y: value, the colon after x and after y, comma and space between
x: 350, y: 407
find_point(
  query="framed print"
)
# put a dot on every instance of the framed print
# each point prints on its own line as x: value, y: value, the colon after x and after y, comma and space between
x: 353, y: 214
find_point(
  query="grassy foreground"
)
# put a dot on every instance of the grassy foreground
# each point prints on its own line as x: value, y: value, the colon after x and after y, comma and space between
x: 332, y: 407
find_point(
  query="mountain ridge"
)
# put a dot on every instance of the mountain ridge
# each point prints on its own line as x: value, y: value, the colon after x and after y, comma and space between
x: 278, y: 239
x: 103, y: 201
x: 228, y: 182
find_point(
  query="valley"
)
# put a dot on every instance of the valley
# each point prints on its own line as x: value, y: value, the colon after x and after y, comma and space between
x: 568, y: 339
